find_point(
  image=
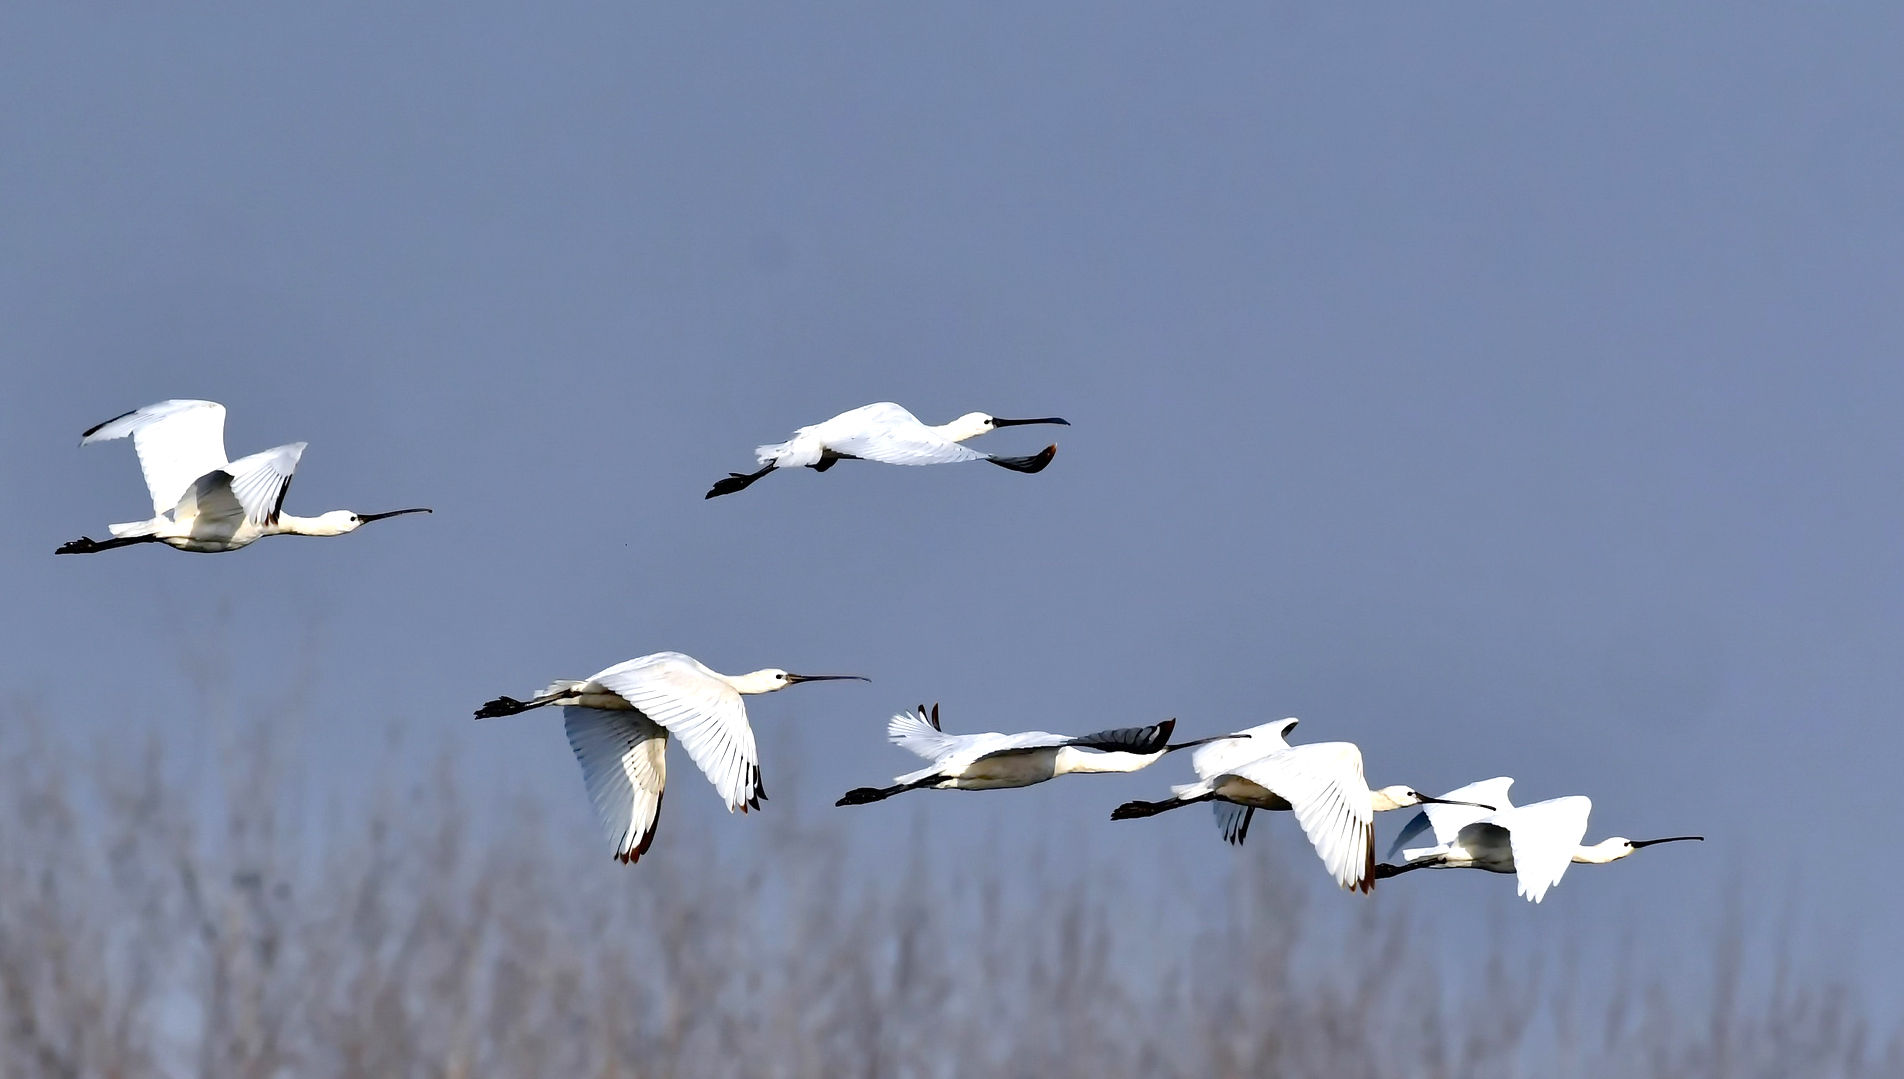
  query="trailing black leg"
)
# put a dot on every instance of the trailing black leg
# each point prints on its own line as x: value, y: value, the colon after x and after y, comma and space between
x: 88, y: 545
x: 736, y: 481
x: 1150, y: 809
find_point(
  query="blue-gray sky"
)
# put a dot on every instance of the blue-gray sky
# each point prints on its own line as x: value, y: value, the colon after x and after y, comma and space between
x: 1512, y: 392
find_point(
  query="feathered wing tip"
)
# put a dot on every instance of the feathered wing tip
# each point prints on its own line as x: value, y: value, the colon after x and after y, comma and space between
x: 1034, y: 463
x: 630, y: 854
x: 1367, y: 883
x: 919, y: 733
x: 1233, y: 821
x: 1151, y: 739
x: 752, y: 786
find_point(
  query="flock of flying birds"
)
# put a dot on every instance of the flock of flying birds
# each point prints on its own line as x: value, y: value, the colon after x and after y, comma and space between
x: 619, y: 720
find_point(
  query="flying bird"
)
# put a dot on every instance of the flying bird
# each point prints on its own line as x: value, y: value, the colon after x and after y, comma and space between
x: 619, y: 722
x: 887, y: 433
x: 1535, y: 842
x: 992, y: 761
x: 1321, y: 782
x: 1446, y: 819
x: 201, y: 501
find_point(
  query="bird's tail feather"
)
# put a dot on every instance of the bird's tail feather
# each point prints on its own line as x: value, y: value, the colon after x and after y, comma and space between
x: 133, y: 528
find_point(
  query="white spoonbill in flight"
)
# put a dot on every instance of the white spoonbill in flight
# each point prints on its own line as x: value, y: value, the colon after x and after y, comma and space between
x: 1535, y: 842
x: 889, y: 434
x: 618, y: 724
x: 1470, y: 804
x: 1321, y: 782
x: 992, y: 761
x: 201, y: 501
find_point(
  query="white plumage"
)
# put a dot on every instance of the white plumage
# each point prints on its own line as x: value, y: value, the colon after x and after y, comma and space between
x: 1534, y: 842
x: 993, y: 761
x: 619, y: 721
x: 889, y: 434
x: 200, y: 501
x: 1321, y: 783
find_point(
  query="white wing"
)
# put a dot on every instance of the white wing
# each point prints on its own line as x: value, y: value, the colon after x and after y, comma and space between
x: 1223, y: 755
x: 1323, y: 784
x: 1544, y: 837
x: 177, y: 442
x: 625, y: 767
x: 914, y: 732
x: 260, y: 480
x: 1233, y: 820
x: 209, y: 501
x: 1447, y: 821
x: 887, y: 433
x: 705, y: 713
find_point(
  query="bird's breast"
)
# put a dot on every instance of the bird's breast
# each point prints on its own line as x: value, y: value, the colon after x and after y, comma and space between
x: 1245, y: 792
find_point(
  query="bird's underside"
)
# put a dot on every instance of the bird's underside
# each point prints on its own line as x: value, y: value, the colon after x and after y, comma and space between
x: 740, y: 481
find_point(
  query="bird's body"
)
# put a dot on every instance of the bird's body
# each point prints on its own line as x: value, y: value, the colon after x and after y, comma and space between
x: 1320, y: 782
x: 886, y: 433
x: 202, y: 502
x: 1535, y: 842
x: 993, y: 761
x: 619, y: 721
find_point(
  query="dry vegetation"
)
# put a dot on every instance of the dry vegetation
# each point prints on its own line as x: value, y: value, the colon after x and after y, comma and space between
x: 148, y: 929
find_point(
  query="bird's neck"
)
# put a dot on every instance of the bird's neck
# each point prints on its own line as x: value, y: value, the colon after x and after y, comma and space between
x: 293, y: 525
x: 1073, y: 759
x: 753, y: 682
x: 1607, y: 850
x: 1381, y: 801
x: 959, y: 430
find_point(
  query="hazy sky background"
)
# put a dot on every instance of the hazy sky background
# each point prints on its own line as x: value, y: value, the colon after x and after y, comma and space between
x: 1510, y: 392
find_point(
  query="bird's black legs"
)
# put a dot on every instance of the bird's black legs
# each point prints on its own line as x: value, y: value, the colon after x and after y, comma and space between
x: 736, y: 481
x: 88, y: 545
x: 1035, y: 463
x: 1150, y: 809
x: 509, y: 706
x: 860, y: 796
x: 1385, y: 870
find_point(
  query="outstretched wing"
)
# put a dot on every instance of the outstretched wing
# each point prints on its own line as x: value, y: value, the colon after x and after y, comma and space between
x: 260, y: 481
x: 1323, y: 784
x: 919, y: 733
x: 1212, y: 759
x: 889, y: 434
x: 209, y: 500
x: 1151, y: 739
x: 625, y: 768
x: 1233, y: 820
x: 177, y: 442
x: 1448, y: 820
x: 705, y: 713
x: 1544, y: 837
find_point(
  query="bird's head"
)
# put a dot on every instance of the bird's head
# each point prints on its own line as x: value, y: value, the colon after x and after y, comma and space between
x: 342, y: 522
x: 1617, y: 847
x: 1400, y: 797
x: 770, y: 679
x: 973, y: 424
